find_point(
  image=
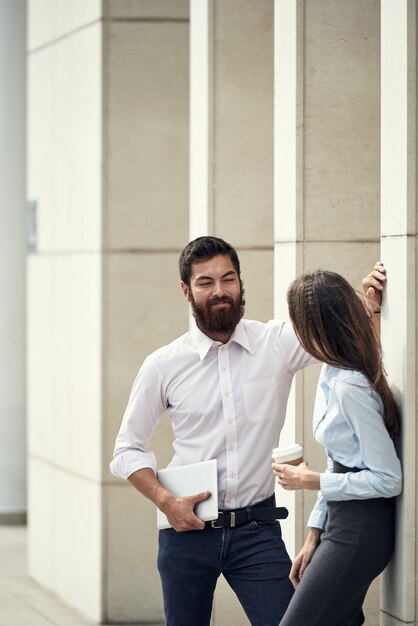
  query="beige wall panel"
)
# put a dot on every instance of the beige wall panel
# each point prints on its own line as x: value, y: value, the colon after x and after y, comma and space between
x: 65, y: 535
x: 49, y: 20
x: 257, y: 276
x: 352, y: 259
x: 145, y: 309
x: 147, y: 145
x: 341, y: 119
x: 371, y: 605
x: 389, y: 620
x: 64, y: 141
x: 243, y: 123
x: 133, y: 583
x: 148, y: 9
x: 64, y: 361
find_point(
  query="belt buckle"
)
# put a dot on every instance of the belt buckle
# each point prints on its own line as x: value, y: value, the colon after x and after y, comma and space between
x: 232, y: 523
x: 213, y: 522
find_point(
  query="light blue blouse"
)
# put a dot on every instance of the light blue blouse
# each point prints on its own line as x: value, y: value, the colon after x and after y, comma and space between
x: 348, y: 422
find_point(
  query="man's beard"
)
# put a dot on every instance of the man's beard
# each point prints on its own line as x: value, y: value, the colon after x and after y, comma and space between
x: 222, y: 320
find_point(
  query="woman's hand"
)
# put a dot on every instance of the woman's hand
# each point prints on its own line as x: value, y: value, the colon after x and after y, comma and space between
x: 296, y: 476
x: 304, y: 557
x: 373, y: 286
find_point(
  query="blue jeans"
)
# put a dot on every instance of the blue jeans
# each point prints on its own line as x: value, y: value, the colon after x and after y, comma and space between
x: 252, y: 557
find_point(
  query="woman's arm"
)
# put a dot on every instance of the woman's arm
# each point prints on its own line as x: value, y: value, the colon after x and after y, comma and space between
x: 304, y: 557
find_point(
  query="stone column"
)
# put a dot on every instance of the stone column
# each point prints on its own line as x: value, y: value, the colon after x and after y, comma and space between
x: 399, y: 252
x: 13, y: 260
x: 145, y: 226
x: 231, y: 158
x: 327, y: 121
x: 108, y: 169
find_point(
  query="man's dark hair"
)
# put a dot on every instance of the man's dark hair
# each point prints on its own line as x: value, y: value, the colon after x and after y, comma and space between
x: 203, y: 249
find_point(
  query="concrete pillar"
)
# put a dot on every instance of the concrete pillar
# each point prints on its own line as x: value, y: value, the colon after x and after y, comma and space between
x: 13, y: 260
x: 145, y: 227
x: 399, y: 319
x: 108, y: 169
x: 231, y: 157
x: 201, y: 91
x: 327, y: 121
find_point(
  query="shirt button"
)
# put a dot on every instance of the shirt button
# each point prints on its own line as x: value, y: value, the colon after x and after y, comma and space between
x: 226, y: 394
x: 230, y: 420
x: 228, y: 500
x: 222, y: 349
x: 231, y: 448
x: 232, y: 475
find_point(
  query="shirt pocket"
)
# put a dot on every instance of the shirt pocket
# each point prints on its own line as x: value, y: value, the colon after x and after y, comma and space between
x: 260, y: 399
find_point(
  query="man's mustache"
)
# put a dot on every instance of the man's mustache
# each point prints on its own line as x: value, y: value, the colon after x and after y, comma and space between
x: 222, y: 300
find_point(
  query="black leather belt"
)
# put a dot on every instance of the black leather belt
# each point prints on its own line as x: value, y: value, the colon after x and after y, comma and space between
x: 243, y: 516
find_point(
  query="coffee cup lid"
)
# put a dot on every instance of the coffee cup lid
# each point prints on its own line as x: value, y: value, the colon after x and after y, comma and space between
x: 293, y: 450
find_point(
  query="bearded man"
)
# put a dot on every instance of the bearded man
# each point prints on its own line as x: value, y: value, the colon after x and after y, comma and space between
x: 225, y: 386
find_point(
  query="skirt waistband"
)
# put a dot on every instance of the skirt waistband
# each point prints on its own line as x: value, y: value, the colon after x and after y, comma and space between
x: 339, y: 468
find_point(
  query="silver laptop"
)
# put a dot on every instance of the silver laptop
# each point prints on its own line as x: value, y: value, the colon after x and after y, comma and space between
x: 189, y: 480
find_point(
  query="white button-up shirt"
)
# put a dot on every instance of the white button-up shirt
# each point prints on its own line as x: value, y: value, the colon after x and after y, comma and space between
x: 225, y: 402
x: 348, y: 422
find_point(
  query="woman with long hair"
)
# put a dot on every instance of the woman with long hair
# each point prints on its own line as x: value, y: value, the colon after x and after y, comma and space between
x: 351, y: 528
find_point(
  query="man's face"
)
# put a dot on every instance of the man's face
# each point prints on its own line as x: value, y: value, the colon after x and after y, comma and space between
x: 215, y: 294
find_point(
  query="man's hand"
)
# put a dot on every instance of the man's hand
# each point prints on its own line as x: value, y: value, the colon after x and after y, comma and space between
x: 373, y: 286
x: 296, y: 476
x: 304, y: 557
x: 179, y: 511
x: 180, y: 514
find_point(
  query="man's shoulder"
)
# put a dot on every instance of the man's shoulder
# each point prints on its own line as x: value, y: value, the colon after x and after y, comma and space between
x: 263, y: 327
x: 259, y: 330
x: 281, y: 337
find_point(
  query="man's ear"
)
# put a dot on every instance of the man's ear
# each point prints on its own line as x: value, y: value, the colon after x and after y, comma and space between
x: 186, y: 291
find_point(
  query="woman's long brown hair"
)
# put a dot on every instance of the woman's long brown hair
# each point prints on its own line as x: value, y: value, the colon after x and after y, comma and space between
x: 334, y: 325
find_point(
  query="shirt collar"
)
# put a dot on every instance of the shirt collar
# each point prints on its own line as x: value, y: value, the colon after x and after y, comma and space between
x: 203, y: 343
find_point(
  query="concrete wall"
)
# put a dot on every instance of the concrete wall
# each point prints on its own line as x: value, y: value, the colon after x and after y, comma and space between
x: 145, y: 225
x: 64, y: 300
x: 108, y: 168
x: 399, y: 319
x: 285, y: 101
x: 13, y: 259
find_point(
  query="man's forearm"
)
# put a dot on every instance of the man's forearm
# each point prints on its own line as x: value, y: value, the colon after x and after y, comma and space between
x: 179, y: 511
x: 146, y: 482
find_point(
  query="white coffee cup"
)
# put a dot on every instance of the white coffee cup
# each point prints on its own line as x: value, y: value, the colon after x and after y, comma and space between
x: 292, y: 455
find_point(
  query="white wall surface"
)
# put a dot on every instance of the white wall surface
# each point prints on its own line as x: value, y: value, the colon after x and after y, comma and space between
x: 12, y: 259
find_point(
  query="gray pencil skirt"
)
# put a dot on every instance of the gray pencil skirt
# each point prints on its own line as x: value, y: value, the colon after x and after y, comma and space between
x: 355, y: 547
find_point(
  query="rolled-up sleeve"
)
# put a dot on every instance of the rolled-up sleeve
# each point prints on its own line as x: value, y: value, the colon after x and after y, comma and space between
x: 145, y: 407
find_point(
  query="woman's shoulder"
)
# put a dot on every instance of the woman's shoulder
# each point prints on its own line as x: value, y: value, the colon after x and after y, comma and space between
x: 342, y: 377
